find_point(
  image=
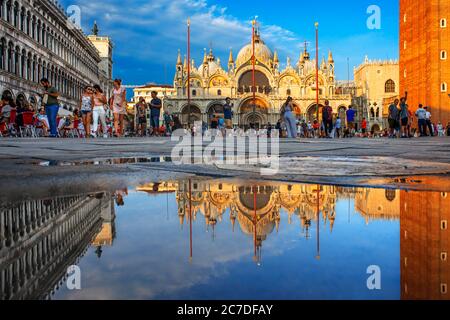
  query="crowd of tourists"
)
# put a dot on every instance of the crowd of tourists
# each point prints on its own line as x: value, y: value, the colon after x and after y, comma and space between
x: 101, y: 116
x: 402, y: 123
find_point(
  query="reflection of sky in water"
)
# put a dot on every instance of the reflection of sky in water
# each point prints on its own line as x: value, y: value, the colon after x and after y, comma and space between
x: 150, y: 258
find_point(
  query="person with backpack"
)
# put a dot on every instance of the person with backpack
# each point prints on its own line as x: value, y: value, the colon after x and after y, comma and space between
x: 327, y: 119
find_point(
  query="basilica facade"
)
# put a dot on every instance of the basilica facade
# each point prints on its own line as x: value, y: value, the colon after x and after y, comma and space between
x: 211, y: 83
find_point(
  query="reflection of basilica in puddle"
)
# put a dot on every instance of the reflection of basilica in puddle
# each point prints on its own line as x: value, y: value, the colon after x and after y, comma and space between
x: 257, y: 208
x: 39, y: 239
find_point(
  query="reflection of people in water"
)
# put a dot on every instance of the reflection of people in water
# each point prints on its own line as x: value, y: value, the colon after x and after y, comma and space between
x: 119, y: 194
x: 99, y: 251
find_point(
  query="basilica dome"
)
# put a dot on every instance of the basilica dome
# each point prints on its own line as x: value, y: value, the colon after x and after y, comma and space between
x: 262, y: 52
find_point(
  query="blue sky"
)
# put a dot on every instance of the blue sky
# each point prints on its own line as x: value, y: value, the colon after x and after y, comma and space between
x: 148, y: 34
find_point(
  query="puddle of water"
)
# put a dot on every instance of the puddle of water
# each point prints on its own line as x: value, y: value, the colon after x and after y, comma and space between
x: 102, y: 162
x: 198, y: 239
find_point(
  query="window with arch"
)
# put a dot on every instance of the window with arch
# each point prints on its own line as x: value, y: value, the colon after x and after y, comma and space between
x: 444, y: 87
x: 219, y: 92
x: 194, y: 92
x: 443, y: 23
x: 443, y: 55
x: 389, y: 86
x: 2, y: 53
x: 288, y: 92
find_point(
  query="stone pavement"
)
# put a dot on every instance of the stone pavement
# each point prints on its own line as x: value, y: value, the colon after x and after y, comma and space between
x: 346, y: 161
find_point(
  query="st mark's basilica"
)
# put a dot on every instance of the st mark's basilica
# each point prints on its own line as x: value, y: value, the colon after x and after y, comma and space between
x: 211, y: 83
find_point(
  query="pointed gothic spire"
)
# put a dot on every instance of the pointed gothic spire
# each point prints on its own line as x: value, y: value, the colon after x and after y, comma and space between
x: 205, y: 57
x: 323, y: 64
x: 179, y: 63
x: 185, y: 63
x: 275, y: 57
x: 230, y: 58
x: 330, y: 57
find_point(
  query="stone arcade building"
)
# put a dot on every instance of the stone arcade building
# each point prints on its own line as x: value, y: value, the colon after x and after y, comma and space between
x: 37, y: 40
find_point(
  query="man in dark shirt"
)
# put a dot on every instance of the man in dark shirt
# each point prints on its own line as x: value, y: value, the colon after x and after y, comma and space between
x: 228, y: 113
x: 155, y: 113
x: 327, y: 118
x: 393, y: 119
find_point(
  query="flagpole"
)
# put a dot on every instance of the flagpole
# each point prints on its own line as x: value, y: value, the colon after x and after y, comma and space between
x: 189, y: 69
x: 317, y: 69
x: 253, y: 68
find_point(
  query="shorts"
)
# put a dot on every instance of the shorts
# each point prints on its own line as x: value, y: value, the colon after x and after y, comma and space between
x: 405, y: 122
x: 364, y: 131
x: 142, y: 120
x: 393, y: 124
x: 350, y: 125
x: 85, y: 112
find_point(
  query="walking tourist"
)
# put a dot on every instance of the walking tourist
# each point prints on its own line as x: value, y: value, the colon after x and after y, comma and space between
x: 327, y: 118
x: 289, y: 118
x: 404, y: 116
x: 99, y: 112
x: 86, y: 105
x: 337, y: 127
x: 118, y: 106
x: 350, y: 114
x: 228, y: 113
x: 428, y: 122
x: 269, y: 130
x: 141, y: 113
x: 421, y: 119
x: 440, y: 129
x: 364, y: 127
x: 393, y: 119
x: 51, y: 105
x: 155, y: 113
x: 168, y: 122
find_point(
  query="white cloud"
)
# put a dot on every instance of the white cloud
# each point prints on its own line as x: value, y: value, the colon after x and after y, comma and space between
x: 154, y: 31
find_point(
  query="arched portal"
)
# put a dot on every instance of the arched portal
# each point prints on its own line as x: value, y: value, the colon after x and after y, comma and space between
x: 7, y: 94
x: 311, y: 113
x: 21, y: 100
x: 342, y: 113
x: 196, y: 114
x: 253, y: 114
x: 375, y: 129
x: 215, y: 109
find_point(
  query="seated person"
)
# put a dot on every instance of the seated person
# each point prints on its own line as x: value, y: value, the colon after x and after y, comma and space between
x: 5, y: 113
x: 42, y: 121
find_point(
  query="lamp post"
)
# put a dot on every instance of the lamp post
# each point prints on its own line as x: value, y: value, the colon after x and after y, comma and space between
x: 317, y: 69
x: 189, y: 69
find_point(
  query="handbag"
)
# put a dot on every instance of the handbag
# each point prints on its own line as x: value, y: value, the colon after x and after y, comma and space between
x: 45, y: 99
